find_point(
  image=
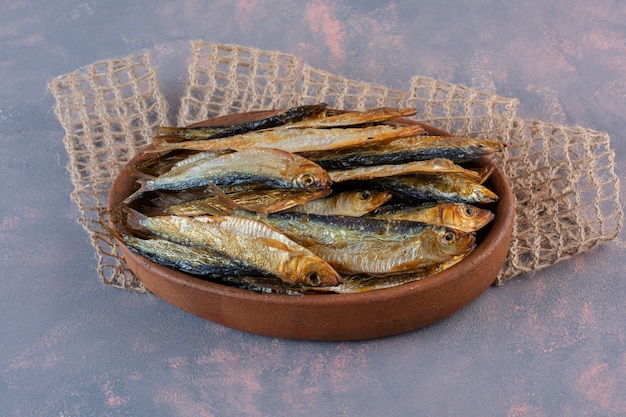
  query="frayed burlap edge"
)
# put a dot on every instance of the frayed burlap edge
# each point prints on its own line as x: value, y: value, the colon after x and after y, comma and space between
x: 567, y: 193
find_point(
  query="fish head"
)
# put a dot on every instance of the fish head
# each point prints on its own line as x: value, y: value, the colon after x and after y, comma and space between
x: 450, y: 242
x: 308, y: 175
x: 480, y: 194
x: 465, y: 217
x: 364, y: 201
x: 312, y: 271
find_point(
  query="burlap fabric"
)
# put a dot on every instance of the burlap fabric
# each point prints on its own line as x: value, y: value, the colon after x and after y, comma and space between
x: 567, y: 193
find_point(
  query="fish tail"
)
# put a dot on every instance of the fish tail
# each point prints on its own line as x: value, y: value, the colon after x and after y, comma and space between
x: 112, y: 223
x: 167, y: 134
x: 122, y: 221
x: 168, y: 131
x: 142, y: 179
x: 129, y: 219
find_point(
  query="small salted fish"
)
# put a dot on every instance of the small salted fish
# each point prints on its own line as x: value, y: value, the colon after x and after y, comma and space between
x: 434, y: 188
x: 190, y: 259
x: 293, y: 115
x: 357, y: 245
x: 348, y: 203
x: 354, y: 118
x: 407, y: 149
x: 296, y: 140
x: 360, y: 283
x: 246, y: 240
x: 271, y: 167
x: 458, y: 216
x: 184, y: 258
x: 262, y: 201
x: 431, y: 166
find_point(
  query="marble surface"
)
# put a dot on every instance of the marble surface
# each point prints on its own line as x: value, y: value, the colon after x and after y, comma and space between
x: 551, y: 343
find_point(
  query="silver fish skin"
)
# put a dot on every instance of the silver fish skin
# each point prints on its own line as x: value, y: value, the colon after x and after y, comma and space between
x: 435, y: 187
x: 271, y: 167
x: 190, y: 259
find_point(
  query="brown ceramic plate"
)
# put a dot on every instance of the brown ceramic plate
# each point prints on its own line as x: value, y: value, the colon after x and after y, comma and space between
x: 332, y: 316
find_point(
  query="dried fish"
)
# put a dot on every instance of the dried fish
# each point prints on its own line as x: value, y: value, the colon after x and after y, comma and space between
x: 246, y: 240
x: 434, y: 188
x: 288, y: 203
x: 293, y: 115
x: 348, y: 203
x: 407, y: 149
x: 359, y: 283
x: 357, y: 245
x: 191, y: 259
x: 431, y: 166
x: 355, y: 118
x: 271, y: 167
x: 260, y: 200
x: 458, y: 216
x: 296, y: 140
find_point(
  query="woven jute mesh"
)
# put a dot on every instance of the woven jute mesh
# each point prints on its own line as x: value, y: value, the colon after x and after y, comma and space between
x: 567, y: 193
x: 109, y: 111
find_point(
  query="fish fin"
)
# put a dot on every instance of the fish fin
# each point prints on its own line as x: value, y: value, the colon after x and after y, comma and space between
x: 134, y: 196
x: 273, y: 243
x: 228, y: 204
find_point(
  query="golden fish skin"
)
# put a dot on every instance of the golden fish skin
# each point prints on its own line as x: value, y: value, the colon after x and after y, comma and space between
x: 357, y: 245
x: 297, y: 140
x: 348, y: 203
x: 376, y: 115
x: 262, y: 201
x: 460, y: 216
x: 272, y: 167
x: 245, y: 240
x: 431, y: 166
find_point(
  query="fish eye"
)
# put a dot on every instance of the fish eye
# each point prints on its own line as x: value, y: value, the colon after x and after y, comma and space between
x: 365, y: 195
x: 313, y: 278
x: 449, y: 237
x: 306, y: 180
x: 469, y: 211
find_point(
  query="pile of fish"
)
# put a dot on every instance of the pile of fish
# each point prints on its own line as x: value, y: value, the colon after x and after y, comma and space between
x: 308, y: 200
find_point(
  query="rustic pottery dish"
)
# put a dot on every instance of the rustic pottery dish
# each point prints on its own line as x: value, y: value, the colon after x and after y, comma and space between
x: 363, y: 315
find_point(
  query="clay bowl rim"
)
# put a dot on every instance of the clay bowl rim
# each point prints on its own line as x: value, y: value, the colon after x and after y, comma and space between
x: 499, y: 232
